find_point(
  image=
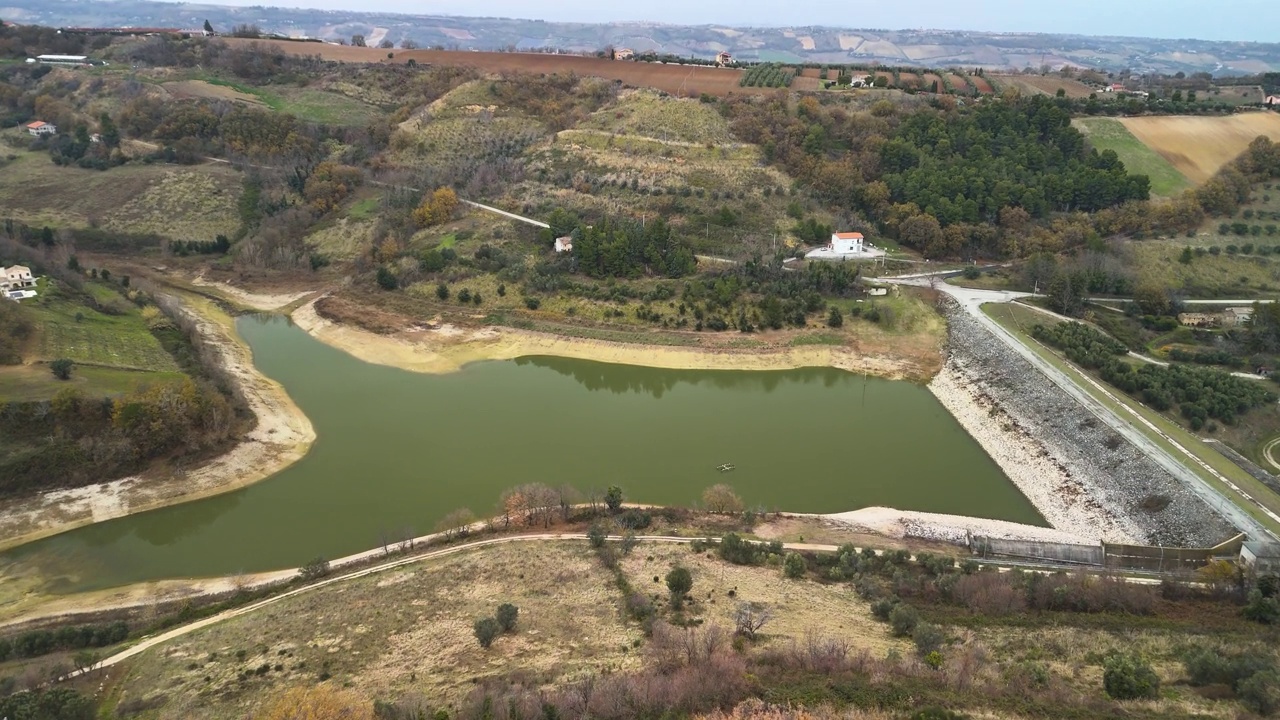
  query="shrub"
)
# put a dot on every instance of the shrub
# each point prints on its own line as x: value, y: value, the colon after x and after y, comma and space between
x: 317, y: 568
x: 882, y: 609
x: 506, y: 616
x: 903, y: 620
x: 794, y: 566
x: 532, y: 303
x: 486, y: 630
x: 442, y: 291
x: 1261, y: 692
x: 679, y: 583
x: 928, y: 638
x: 596, y: 535
x: 387, y: 280
x: 1129, y: 677
x: 835, y: 318
x: 62, y: 368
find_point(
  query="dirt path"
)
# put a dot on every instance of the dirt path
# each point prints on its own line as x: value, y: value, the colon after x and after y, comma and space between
x: 282, y: 436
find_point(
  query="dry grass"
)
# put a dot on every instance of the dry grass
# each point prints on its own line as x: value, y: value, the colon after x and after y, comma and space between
x: 407, y: 630
x: 189, y: 203
x: 1199, y: 146
x: 343, y: 238
x: 800, y: 607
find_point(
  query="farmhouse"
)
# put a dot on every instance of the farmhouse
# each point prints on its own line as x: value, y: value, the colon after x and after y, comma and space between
x: 1199, y: 320
x: 1237, y: 316
x: 1273, y: 101
x: 16, y: 278
x: 846, y: 246
x: 724, y: 59
x: 564, y: 244
x: 623, y: 54
x: 39, y: 127
x: 1114, y: 88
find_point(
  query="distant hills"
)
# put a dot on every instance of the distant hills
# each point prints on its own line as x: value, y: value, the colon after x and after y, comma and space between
x: 926, y: 48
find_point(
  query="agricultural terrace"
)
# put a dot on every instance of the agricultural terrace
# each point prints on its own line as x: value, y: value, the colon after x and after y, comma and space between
x: 1110, y: 134
x: 317, y: 105
x: 647, y: 114
x: 1199, y: 146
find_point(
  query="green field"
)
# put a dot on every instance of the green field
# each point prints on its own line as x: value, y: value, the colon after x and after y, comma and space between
x: 25, y: 383
x: 1108, y: 134
x: 317, y: 106
x: 69, y: 329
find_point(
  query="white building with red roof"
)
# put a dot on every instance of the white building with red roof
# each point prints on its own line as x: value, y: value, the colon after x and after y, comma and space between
x: 846, y: 246
x: 39, y: 127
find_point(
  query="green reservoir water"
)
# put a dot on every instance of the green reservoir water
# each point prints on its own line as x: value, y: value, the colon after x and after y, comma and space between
x: 399, y: 450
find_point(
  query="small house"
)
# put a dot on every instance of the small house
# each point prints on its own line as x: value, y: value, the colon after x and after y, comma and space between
x: 16, y: 277
x: 878, y: 291
x: 724, y: 59
x: 623, y: 54
x: 848, y: 242
x: 1262, y: 557
x: 1273, y: 101
x: 39, y: 127
x: 1197, y: 320
x: 1237, y: 316
x: 564, y: 244
x: 1114, y: 88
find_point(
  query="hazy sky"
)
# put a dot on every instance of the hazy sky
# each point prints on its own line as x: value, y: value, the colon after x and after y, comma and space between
x: 1207, y: 20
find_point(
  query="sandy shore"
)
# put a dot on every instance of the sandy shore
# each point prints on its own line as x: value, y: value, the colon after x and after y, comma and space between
x: 954, y: 529
x: 282, y: 436
x: 447, y: 349
x: 1061, y: 499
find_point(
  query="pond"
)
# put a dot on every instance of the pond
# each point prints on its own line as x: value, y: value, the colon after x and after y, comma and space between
x: 396, y: 451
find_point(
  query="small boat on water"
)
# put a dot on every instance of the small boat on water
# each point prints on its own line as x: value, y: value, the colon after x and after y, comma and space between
x: 727, y: 467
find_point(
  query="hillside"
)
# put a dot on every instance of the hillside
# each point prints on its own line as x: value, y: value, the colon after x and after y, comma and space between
x: 831, y: 44
x: 595, y: 627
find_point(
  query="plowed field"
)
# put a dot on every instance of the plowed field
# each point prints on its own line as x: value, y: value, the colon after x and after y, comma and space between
x: 684, y: 80
x: 1199, y: 146
x: 930, y: 79
x: 1048, y: 85
x: 983, y: 86
x: 958, y: 83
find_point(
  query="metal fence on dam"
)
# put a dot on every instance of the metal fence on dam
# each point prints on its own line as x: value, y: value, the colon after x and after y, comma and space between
x: 1112, y: 556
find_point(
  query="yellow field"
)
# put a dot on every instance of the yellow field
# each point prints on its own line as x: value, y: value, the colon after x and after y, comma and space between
x: 1199, y: 146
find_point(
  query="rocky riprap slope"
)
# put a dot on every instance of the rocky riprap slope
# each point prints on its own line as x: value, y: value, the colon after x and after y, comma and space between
x: 1156, y: 507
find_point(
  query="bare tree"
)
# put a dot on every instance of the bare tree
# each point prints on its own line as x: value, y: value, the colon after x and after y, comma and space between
x: 750, y: 617
x: 721, y: 498
x: 357, y: 40
x: 456, y: 524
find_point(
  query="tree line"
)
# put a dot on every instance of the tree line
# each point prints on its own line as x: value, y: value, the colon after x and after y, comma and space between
x: 1197, y: 393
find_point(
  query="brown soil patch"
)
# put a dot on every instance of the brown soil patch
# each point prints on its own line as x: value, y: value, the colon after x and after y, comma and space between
x: 202, y: 89
x: 958, y: 83
x: 982, y: 85
x: 1199, y: 146
x: 929, y: 83
x: 683, y: 80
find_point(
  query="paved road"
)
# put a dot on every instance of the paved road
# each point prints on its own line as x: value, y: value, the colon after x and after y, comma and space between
x: 1179, y: 466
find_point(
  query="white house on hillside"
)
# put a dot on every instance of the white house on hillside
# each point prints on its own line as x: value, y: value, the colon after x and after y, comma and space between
x: 846, y: 246
x: 724, y: 59
x: 16, y: 278
x: 40, y: 127
x: 564, y: 244
x: 851, y: 242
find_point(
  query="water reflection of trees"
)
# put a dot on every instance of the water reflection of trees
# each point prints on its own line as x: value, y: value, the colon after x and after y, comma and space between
x: 621, y: 379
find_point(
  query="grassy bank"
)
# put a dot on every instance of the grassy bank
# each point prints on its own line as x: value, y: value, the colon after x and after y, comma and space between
x: 1109, y: 134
